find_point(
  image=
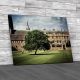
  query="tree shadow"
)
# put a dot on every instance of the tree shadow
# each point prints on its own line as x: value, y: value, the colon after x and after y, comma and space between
x: 40, y: 54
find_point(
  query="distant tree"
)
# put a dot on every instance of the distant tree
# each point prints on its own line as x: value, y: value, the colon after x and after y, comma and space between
x: 14, y: 49
x: 35, y: 40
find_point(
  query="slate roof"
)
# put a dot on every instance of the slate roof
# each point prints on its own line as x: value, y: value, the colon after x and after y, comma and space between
x: 18, y: 36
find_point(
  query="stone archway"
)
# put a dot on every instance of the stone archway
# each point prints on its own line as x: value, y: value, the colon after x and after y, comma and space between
x: 64, y: 47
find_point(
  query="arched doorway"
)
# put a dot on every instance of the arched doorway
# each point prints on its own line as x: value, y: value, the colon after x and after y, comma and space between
x: 64, y: 47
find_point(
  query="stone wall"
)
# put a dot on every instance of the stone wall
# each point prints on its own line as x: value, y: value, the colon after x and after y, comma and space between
x: 56, y: 8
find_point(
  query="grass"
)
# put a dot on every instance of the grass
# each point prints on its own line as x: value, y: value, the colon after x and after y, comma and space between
x: 42, y: 57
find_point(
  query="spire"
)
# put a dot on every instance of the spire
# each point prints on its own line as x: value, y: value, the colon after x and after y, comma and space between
x: 27, y: 26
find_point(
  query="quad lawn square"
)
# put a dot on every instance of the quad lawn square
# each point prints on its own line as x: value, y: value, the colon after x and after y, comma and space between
x: 42, y: 57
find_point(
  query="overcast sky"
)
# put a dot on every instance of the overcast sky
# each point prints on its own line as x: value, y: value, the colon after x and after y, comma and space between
x: 39, y: 22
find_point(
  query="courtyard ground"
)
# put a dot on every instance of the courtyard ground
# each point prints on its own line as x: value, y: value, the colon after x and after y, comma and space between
x: 42, y: 57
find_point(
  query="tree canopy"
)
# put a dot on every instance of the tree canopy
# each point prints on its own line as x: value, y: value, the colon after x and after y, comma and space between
x: 35, y: 40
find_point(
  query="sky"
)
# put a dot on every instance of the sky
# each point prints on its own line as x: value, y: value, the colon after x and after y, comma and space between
x: 39, y: 23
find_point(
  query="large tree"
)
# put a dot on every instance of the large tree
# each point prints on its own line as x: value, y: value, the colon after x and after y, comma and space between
x: 35, y: 40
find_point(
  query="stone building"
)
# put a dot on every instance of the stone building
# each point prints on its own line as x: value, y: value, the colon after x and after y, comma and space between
x: 59, y: 40
x: 18, y: 38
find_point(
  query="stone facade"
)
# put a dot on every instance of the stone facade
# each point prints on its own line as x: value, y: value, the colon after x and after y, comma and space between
x: 18, y: 40
x: 57, y: 40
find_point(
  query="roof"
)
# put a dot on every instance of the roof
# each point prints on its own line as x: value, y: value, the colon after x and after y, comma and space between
x: 58, y: 33
x: 18, y: 35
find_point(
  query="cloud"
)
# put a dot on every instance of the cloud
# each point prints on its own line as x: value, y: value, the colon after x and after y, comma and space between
x: 38, y: 22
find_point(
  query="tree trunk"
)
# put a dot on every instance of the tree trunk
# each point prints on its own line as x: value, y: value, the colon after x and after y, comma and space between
x: 35, y: 51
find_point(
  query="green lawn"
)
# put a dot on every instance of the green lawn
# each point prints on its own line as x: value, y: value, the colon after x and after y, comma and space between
x: 42, y: 57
